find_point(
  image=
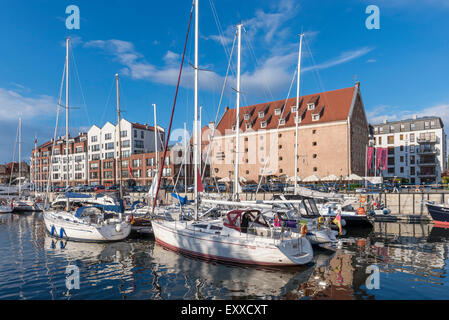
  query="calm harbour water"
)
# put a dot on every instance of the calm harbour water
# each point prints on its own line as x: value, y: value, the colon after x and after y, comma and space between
x: 412, y: 260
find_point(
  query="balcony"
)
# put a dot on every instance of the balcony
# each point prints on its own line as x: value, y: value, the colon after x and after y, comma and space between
x: 426, y: 140
x: 427, y: 174
x: 427, y: 151
x: 427, y: 163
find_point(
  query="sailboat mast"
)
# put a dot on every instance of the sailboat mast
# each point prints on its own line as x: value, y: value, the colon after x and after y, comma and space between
x: 67, y: 117
x: 237, y: 124
x: 185, y: 159
x: 119, y: 167
x: 195, y: 120
x: 297, y: 114
x: 34, y: 166
x: 156, y: 136
x: 20, y: 156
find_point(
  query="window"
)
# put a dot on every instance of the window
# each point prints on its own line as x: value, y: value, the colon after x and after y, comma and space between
x: 412, y: 137
x: 402, y: 127
x: 142, y: 134
x: 79, y: 149
x: 95, y: 147
x: 401, y: 137
x: 261, y: 114
x: 376, y: 130
x: 313, y: 131
x: 315, y: 169
x: 277, y: 112
x: 136, y: 173
x: 315, y: 156
x: 311, y: 106
x: 124, y: 134
x: 138, y: 144
x: 126, y: 154
x: 108, y: 136
x: 150, y: 162
x: 96, y: 157
x: 294, y: 109
x: 432, y: 123
x: 263, y: 124
x: 380, y: 140
x: 107, y: 174
x: 315, y: 117
x: 109, y: 155
x: 125, y: 144
x: 94, y: 165
x: 391, y: 128
x: 412, y: 126
x: 107, y: 165
x: 314, y: 143
x: 93, y: 139
x: 137, y: 163
x: 390, y: 139
x: 247, y: 116
x: 412, y: 159
x: 412, y: 149
x: 401, y: 158
x: 281, y: 122
x: 94, y: 175
x: 412, y: 171
x: 426, y: 125
x: 401, y: 148
x: 220, y: 156
x: 401, y: 169
x: 391, y: 170
x: 248, y: 126
x: 381, y: 130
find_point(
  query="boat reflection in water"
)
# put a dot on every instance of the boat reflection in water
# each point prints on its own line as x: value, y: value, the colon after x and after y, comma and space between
x: 411, y: 259
x: 206, y: 280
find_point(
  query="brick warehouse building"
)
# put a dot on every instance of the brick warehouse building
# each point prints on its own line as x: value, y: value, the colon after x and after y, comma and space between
x: 333, y: 135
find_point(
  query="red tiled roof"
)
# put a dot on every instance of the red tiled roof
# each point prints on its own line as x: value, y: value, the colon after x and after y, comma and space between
x: 146, y: 127
x: 332, y: 105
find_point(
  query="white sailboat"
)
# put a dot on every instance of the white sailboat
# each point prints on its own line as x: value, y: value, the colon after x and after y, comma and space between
x: 243, y: 236
x: 23, y: 204
x: 87, y: 224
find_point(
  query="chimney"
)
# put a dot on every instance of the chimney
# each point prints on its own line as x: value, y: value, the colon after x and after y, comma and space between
x: 227, y: 108
x: 357, y: 84
x: 212, y: 125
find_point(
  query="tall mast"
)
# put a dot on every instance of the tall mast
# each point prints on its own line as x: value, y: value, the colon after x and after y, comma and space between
x: 297, y: 114
x: 195, y: 120
x: 20, y: 156
x: 200, y: 135
x: 67, y: 118
x: 237, y: 124
x: 185, y: 159
x: 119, y: 167
x: 34, y: 166
x: 156, y: 136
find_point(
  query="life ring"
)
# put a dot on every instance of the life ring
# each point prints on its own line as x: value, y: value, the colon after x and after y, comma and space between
x: 304, y: 230
x: 361, y: 211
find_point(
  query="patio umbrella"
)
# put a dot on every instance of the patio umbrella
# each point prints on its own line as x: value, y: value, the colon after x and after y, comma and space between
x: 226, y: 179
x: 292, y: 179
x: 312, y: 178
x: 354, y: 177
x: 331, y: 177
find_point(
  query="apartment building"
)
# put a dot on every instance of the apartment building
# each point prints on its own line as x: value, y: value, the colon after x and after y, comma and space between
x: 103, y: 149
x: 46, y: 169
x: 417, y: 149
x: 332, y: 139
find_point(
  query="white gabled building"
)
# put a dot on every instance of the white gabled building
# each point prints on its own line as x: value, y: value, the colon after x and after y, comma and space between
x: 103, y: 147
x: 417, y: 148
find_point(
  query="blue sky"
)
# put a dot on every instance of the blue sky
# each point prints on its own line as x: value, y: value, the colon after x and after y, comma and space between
x: 402, y: 67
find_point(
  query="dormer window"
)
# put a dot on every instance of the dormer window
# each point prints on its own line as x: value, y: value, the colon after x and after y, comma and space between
x: 263, y: 124
x: 294, y: 109
x: 233, y: 127
x: 248, y: 126
x: 261, y: 114
x: 315, y: 117
x: 247, y: 116
x: 298, y: 119
x: 277, y: 112
x: 311, y: 106
x: 281, y: 122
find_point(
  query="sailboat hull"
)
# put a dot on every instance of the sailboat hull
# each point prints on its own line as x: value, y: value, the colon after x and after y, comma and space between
x: 71, y: 230
x: 237, y: 248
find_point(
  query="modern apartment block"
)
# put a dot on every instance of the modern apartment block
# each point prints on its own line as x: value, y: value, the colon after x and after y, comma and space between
x: 44, y: 169
x: 332, y: 139
x: 103, y: 149
x: 417, y: 148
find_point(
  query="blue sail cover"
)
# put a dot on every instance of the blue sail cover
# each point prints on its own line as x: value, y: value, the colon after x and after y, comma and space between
x: 74, y: 195
x: 183, y: 201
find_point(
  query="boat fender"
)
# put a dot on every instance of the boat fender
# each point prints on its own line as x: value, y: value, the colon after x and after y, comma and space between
x: 304, y: 230
x: 61, y: 233
x: 361, y: 211
x: 53, y: 230
x: 118, y: 227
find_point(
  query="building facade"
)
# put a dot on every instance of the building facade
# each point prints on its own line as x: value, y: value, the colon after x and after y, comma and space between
x: 103, y: 150
x: 332, y: 139
x: 417, y: 149
x: 50, y: 163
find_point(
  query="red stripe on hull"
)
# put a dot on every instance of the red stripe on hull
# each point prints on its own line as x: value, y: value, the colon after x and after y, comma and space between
x: 217, y: 258
x: 441, y: 224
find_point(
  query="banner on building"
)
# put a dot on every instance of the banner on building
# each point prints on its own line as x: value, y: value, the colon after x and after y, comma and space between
x: 370, y: 157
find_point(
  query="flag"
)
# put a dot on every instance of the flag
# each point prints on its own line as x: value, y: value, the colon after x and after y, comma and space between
x: 200, y: 183
x: 132, y: 218
x: 370, y: 157
x: 384, y: 159
x: 130, y: 171
x: 379, y: 153
x: 337, y: 221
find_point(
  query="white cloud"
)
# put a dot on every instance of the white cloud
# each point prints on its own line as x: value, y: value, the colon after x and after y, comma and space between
x: 13, y: 105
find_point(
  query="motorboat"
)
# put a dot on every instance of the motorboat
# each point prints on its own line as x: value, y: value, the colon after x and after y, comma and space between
x: 439, y: 213
x: 26, y: 205
x: 87, y: 224
x: 349, y: 216
x: 243, y: 236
